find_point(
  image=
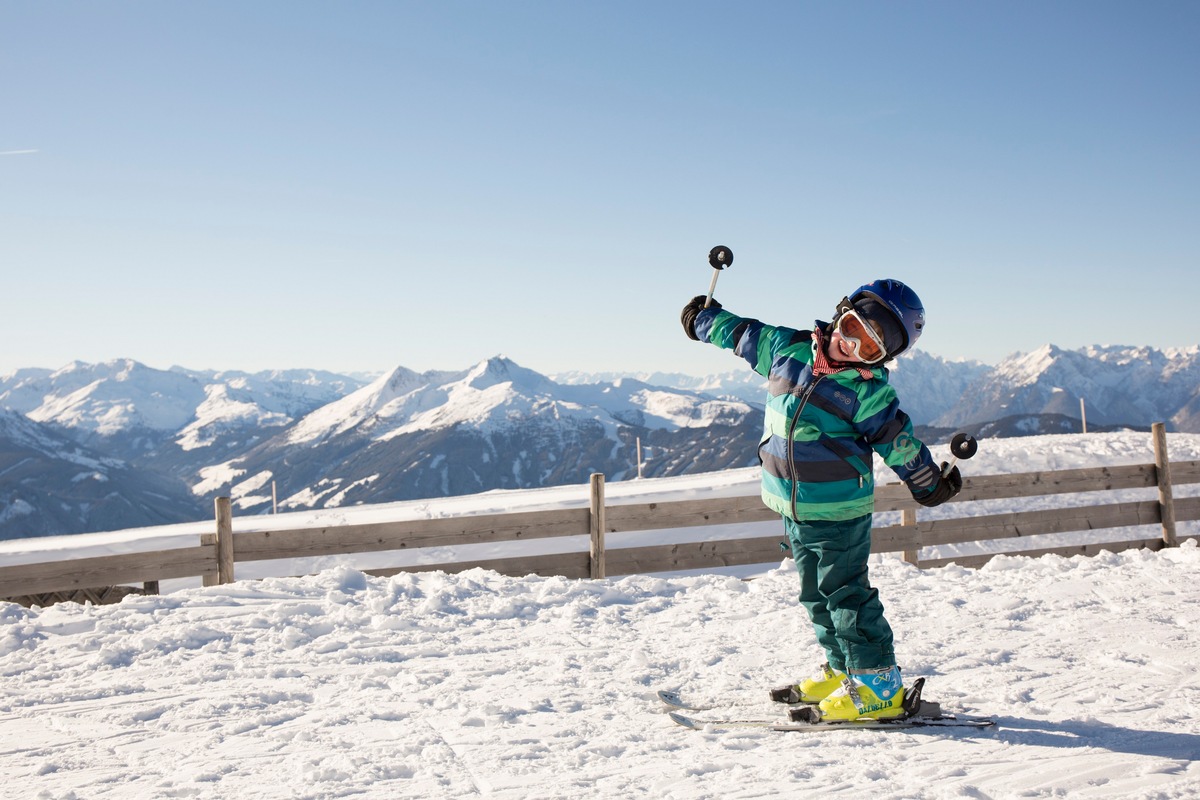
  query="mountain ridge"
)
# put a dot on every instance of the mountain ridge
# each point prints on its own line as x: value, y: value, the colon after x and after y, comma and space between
x: 322, y: 438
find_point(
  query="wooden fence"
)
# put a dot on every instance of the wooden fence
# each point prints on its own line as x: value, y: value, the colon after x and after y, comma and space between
x: 217, y: 553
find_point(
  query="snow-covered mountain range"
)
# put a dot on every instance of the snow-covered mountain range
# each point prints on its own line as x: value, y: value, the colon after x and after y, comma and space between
x: 309, y: 439
x: 1120, y: 386
x: 120, y: 444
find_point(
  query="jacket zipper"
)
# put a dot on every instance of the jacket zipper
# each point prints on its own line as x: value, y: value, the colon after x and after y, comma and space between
x: 791, y: 448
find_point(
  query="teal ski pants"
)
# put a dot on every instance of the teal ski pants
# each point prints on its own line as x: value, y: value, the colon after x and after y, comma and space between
x: 846, y: 613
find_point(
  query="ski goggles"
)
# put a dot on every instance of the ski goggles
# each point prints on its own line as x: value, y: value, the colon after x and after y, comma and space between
x: 864, y: 342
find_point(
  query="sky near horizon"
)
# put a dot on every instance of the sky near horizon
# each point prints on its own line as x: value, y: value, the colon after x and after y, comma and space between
x: 355, y: 186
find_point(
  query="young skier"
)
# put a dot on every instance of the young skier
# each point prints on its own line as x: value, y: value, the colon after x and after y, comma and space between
x: 829, y: 407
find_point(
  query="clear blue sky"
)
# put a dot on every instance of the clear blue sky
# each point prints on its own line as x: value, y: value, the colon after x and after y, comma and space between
x: 353, y: 186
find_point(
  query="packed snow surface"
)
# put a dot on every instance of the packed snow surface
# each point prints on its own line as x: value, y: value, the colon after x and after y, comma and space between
x: 428, y: 685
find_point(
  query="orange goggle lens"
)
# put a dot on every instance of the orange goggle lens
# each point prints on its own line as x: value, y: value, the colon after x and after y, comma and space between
x: 861, y: 337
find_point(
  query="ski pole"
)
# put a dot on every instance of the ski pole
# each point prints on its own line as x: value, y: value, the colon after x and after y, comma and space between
x: 963, y: 445
x: 719, y: 257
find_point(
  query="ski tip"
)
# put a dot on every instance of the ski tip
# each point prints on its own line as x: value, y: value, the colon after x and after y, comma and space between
x: 669, y: 698
x: 687, y: 722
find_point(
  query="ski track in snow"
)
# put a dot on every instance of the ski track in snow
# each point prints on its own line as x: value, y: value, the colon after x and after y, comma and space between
x: 430, y: 685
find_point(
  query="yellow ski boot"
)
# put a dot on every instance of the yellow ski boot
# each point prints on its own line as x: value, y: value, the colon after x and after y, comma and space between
x: 824, y: 682
x: 869, y: 694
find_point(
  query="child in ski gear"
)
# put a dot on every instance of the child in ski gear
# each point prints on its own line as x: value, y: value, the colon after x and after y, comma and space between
x: 829, y: 408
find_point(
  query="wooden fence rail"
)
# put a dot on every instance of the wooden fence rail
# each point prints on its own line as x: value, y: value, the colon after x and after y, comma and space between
x: 214, y: 559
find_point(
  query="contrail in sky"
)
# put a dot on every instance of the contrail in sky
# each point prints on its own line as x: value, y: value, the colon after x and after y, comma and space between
x: 16, y: 152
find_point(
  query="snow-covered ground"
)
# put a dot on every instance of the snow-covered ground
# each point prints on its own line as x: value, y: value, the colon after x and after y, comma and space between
x: 430, y: 685
x: 437, y: 686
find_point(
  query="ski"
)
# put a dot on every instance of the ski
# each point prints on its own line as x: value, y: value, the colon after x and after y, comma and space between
x: 677, y: 702
x: 944, y: 721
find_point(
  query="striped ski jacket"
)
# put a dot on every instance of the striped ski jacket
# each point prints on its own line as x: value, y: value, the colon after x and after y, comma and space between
x: 820, y: 431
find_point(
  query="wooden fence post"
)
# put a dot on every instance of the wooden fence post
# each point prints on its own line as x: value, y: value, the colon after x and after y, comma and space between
x: 214, y: 579
x: 908, y: 517
x: 1166, y: 500
x: 597, y: 522
x: 224, y: 542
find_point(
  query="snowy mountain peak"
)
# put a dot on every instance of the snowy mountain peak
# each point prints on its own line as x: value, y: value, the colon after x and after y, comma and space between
x: 116, y: 397
x: 395, y: 394
x: 1183, y: 353
x: 499, y: 369
x: 398, y: 382
x: 1025, y: 368
x: 496, y: 389
x: 71, y: 367
x: 126, y: 369
x: 113, y: 369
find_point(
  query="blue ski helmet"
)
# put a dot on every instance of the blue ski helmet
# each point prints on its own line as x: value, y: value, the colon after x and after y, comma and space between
x: 898, y: 299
